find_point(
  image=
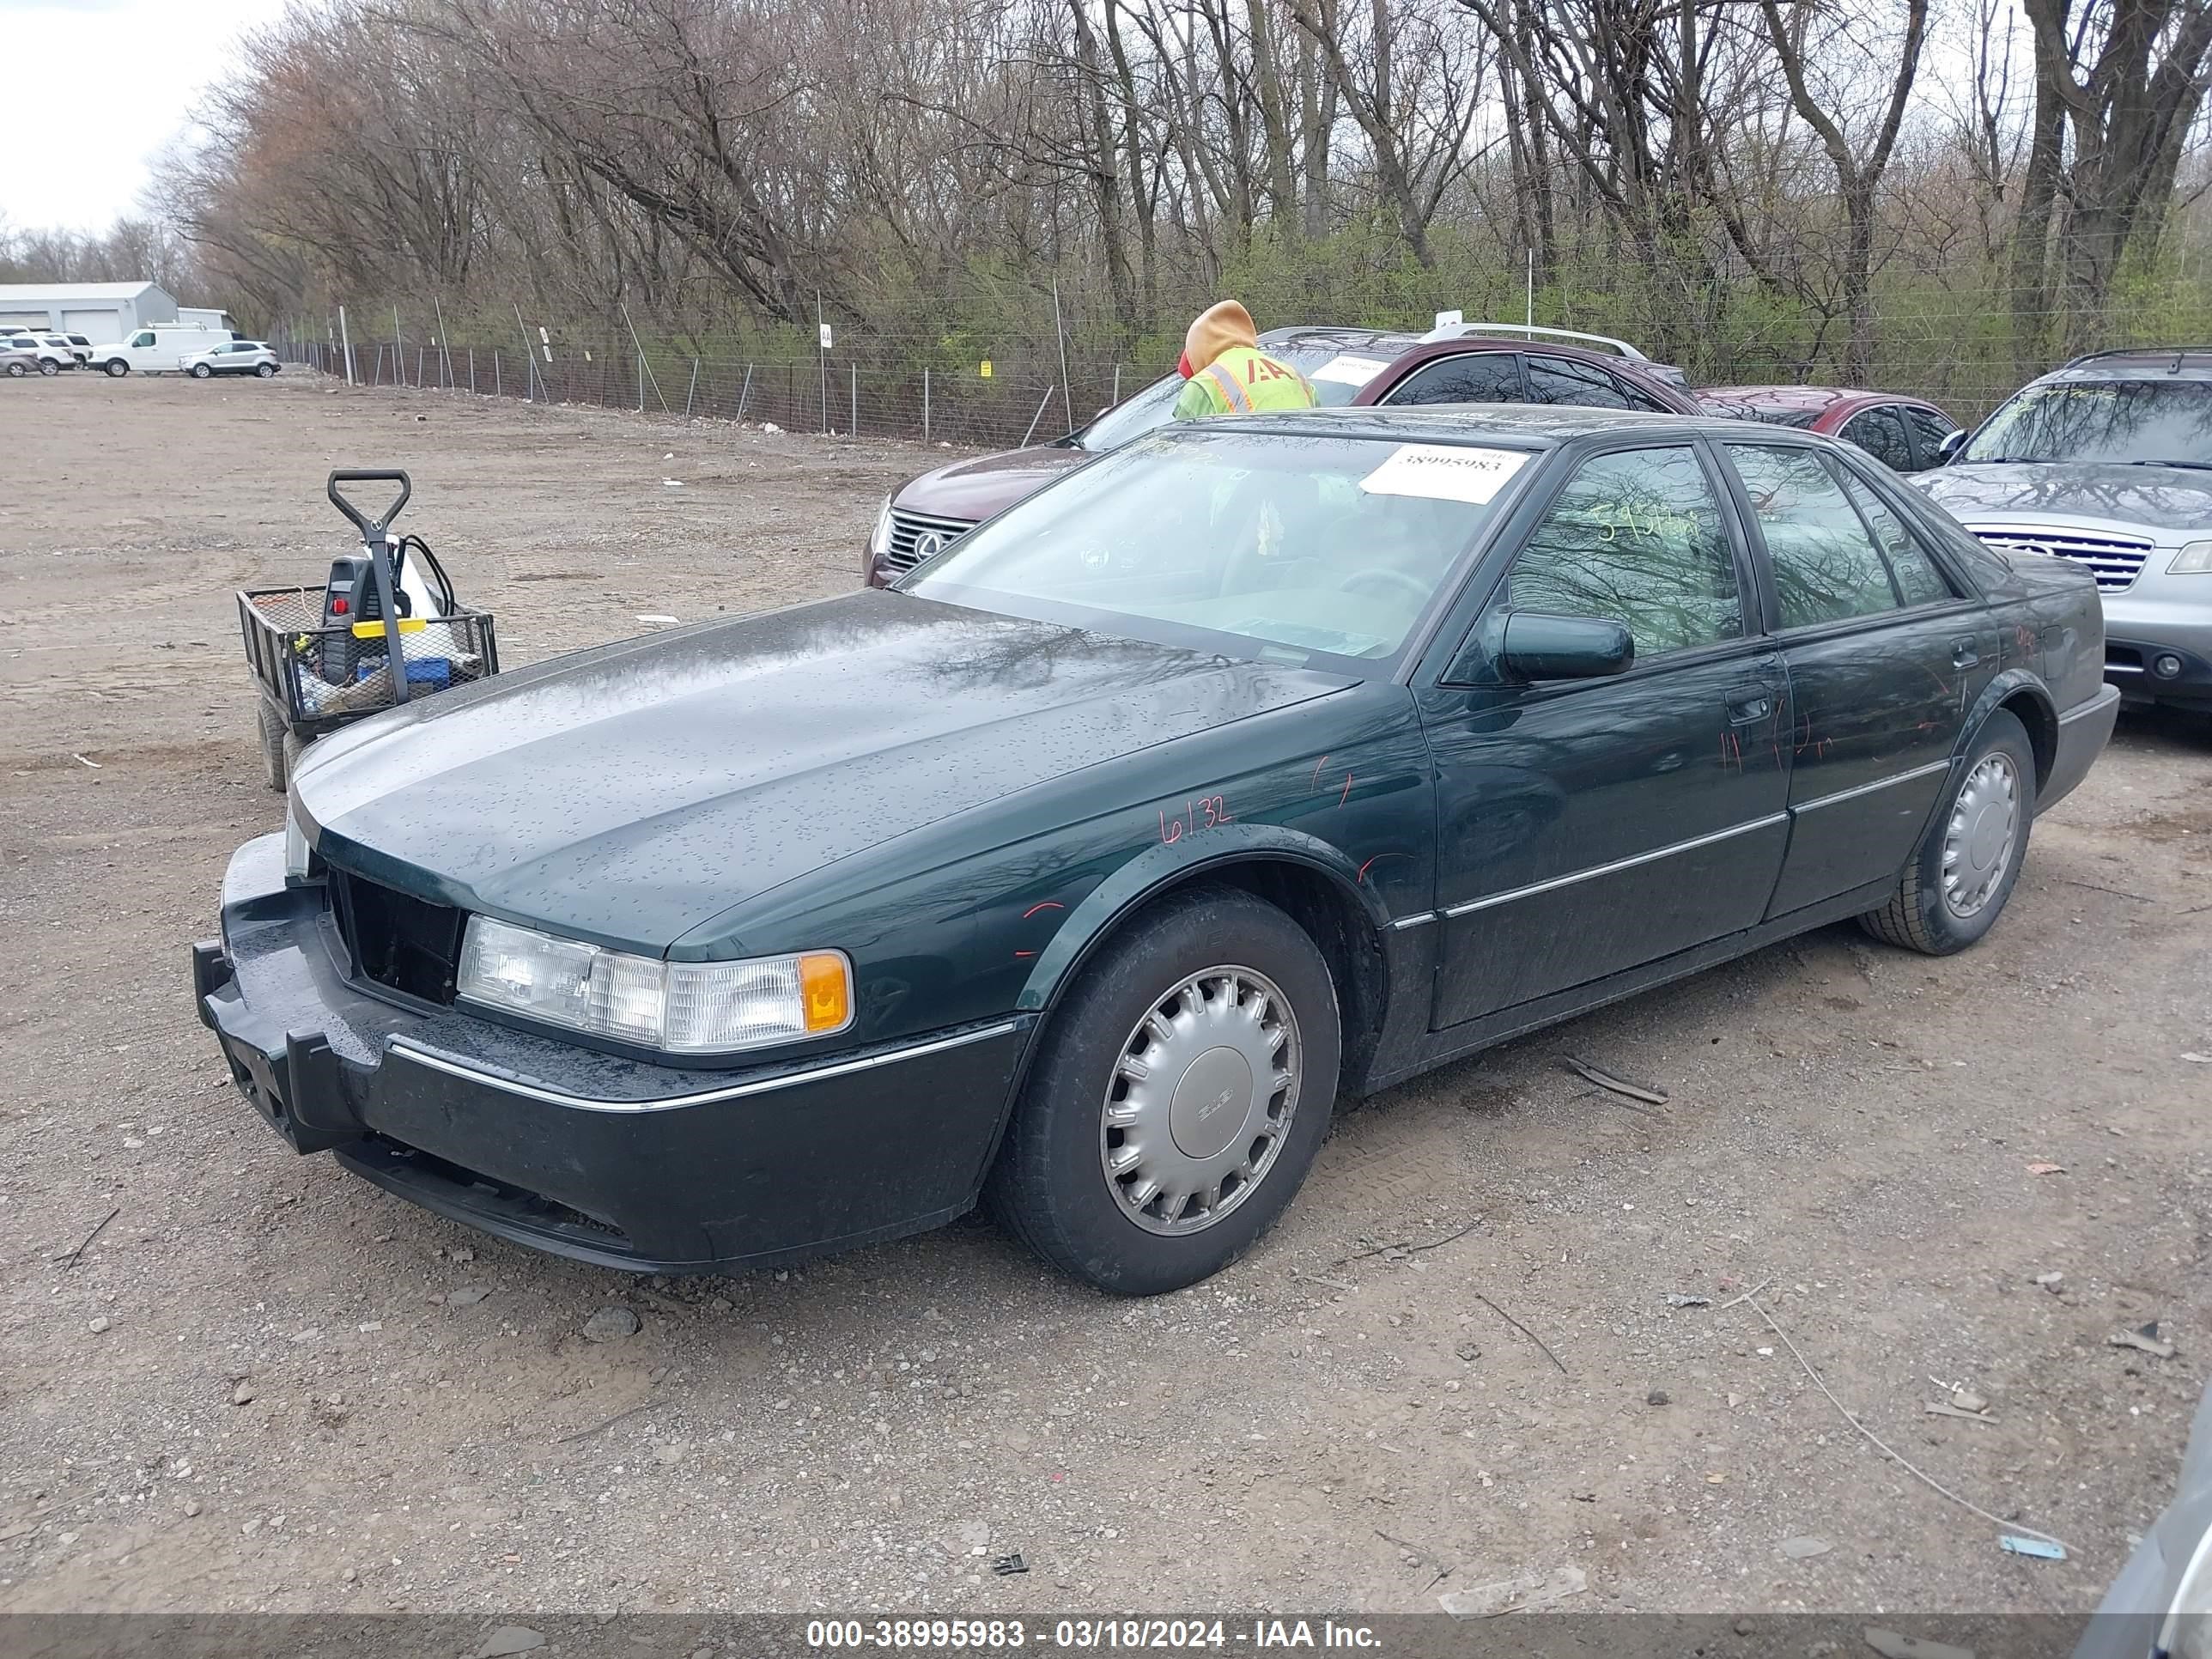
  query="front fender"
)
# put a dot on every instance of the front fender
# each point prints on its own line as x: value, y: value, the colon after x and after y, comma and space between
x: 1158, y: 867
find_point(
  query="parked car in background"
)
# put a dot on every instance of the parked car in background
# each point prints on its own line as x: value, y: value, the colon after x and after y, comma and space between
x: 159, y: 350
x: 23, y: 354
x: 1457, y: 363
x: 80, y: 347
x: 233, y: 358
x: 2107, y: 462
x: 64, y: 346
x: 1907, y: 434
x: 1261, y: 763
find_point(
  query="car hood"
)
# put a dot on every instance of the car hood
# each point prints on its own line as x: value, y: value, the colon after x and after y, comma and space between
x: 629, y: 794
x: 2155, y: 497
x: 973, y: 490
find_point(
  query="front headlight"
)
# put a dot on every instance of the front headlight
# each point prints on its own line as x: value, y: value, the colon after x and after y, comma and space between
x: 299, y: 857
x: 680, y: 1007
x: 2193, y: 560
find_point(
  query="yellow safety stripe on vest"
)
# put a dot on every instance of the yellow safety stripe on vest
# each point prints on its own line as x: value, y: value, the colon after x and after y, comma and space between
x: 1232, y: 393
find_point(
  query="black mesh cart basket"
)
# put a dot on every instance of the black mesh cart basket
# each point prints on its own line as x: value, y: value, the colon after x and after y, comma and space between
x: 327, y: 655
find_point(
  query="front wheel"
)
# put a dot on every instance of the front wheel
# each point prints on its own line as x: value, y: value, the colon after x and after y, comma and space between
x: 1964, y: 870
x: 202, y: 372
x: 1178, y: 1098
x: 118, y: 368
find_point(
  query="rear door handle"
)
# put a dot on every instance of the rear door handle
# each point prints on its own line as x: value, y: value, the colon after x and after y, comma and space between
x: 1963, y: 653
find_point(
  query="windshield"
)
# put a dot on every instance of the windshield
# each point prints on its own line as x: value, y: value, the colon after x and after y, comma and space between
x: 1336, y: 371
x: 1293, y: 549
x: 2139, y: 421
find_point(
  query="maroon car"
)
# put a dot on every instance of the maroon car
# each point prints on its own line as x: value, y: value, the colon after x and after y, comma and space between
x: 1905, y: 434
x: 1365, y: 366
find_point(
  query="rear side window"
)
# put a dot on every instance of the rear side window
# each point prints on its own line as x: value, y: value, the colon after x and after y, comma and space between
x: 1472, y: 377
x: 1827, y: 568
x: 1880, y: 433
x: 1918, y: 580
x: 1636, y: 537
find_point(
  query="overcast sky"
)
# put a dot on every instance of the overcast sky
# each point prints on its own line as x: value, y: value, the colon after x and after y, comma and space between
x: 96, y: 89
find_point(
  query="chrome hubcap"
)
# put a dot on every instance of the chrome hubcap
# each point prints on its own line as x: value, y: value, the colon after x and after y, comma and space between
x: 1978, y: 842
x: 1200, y: 1101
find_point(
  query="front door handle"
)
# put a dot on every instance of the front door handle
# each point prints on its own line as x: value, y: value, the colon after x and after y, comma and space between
x: 1964, y: 654
x: 1747, y: 705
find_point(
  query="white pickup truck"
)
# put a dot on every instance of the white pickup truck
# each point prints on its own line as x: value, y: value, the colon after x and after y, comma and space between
x: 159, y: 349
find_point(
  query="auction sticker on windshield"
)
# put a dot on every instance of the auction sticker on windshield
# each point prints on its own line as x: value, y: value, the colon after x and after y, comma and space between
x: 1444, y: 472
x: 1348, y: 370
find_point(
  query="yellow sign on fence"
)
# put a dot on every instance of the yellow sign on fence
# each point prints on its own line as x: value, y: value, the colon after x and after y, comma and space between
x: 987, y: 368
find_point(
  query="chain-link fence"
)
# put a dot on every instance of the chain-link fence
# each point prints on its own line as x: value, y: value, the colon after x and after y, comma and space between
x: 993, y: 366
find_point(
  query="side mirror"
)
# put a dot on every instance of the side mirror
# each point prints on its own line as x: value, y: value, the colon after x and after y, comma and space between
x: 1537, y: 647
x: 1947, y: 450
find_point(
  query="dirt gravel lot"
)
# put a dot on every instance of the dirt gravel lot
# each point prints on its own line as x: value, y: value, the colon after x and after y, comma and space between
x: 266, y: 1385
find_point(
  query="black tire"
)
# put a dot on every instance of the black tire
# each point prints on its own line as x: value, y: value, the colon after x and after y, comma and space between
x: 1050, y: 1186
x: 118, y: 367
x: 262, y: 371
x: 202, y: 372
x: 15, y: 371
x: 276, y: 753
x: 1921, y: 915
x: 49, y: 368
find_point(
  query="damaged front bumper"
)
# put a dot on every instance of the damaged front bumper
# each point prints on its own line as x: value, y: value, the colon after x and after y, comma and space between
x: 606, y: 1160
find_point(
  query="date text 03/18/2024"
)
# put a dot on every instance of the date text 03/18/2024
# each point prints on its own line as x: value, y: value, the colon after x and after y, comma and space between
x: 1083, y: 1635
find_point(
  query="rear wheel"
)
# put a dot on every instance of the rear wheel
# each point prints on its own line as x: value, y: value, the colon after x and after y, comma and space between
x: 15, y: 371
x: 277, y: 748
x: 118, y: 367
x: 47, y: 366
x: 1955, y: 887
x: 262, y: 371
x: 1177, y: 1099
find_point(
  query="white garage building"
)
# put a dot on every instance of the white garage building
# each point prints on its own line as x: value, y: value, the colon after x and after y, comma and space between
x: 103, y: 313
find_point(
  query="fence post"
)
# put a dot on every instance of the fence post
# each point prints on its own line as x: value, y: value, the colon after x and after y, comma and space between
x: 1117, y: 384
x: 376, y: 375
x: 694, y: 391
x: 925, y: 405
x: 345, y: 336
x: 529, y: 362
x: 746, y: 394
x: 472, y: 370
x: 641, y: 382
x: 1039, y: 415
x: 399, y: 350
x: 853, y: 408
x: 422, y: 356
x: 497, y: 389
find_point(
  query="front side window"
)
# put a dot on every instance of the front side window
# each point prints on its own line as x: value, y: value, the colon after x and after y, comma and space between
x: 1473, y: 377
x: 1285, y: 548
x: 1929, y: 428
x: 1827, y: 568
x: 1636, y: 537
x: 1880, y: 433
x: 1581, y: 386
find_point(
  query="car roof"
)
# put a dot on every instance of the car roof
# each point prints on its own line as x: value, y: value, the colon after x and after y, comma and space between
x: 1525, y: 426
x: 2136, y: 363
x: 1392, y: 340
x: 1799, y: 399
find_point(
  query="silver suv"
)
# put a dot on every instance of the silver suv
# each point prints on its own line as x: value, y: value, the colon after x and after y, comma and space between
x: 2108, y: 462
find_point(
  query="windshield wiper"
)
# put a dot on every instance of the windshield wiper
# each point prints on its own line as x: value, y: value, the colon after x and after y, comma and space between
x: 2191, y: 466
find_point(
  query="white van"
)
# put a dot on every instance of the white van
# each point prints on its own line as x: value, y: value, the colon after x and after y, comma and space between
x: 157, y: 349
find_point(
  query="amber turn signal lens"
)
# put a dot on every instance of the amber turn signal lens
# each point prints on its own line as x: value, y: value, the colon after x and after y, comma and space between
x: 825, y: 989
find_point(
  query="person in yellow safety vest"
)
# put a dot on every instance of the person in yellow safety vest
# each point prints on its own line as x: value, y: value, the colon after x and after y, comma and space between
x: 1228, y: 374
